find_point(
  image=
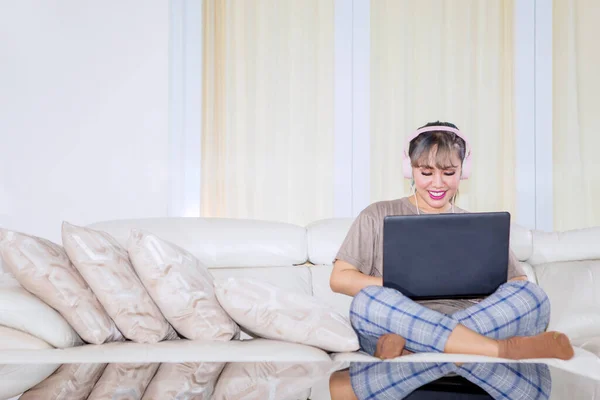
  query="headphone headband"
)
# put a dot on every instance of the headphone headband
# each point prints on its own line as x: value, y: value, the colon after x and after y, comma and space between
x: 466, y: 167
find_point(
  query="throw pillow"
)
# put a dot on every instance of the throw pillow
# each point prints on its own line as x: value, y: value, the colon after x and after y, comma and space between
x: 268, y: 380
x: 44, y: 269
x: 123, y: 381
x: 273, y: 313
x: 105, y: 266
x: 182, y: 288
x: 184, y: 381
x: 69, y: 382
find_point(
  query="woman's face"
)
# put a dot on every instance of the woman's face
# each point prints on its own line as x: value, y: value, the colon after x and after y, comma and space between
x: 436, y: 187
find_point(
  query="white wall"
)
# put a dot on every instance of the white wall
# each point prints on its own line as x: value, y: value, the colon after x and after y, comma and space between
x: 83, y: 112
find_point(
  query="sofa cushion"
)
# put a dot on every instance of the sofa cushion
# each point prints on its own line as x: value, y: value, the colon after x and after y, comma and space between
x: 44, y: 269
x: 181, y: 286
x: 128, y: 380
x: 275, y: 313
x: 184, y: 381
x: 106, y: 268
x: 268, y: 380
x: 550, y: 247
x: 70, y: 381
x: 219, y: 242
x: 591, y: 344
x: 21, y: 310
x: 573, y: 292
x: 320, y: 275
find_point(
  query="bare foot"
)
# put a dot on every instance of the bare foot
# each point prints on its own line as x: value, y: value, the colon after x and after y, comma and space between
x: 545, y: 345
x: 390, y: 346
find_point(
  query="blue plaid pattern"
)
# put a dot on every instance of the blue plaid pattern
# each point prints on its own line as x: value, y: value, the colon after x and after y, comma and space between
x: 518, y: 308
x: 390, y: 380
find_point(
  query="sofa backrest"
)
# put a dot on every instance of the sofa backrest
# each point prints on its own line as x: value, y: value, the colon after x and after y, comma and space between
x: 220, y: 242
x: 566, y: 265
x: 289, y: 256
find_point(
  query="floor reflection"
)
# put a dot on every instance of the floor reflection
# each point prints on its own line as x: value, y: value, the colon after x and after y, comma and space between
x: 315, y: 381
x: 416, y: 381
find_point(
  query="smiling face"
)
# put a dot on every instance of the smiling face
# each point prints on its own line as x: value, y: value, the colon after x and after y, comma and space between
x: 436, y: 158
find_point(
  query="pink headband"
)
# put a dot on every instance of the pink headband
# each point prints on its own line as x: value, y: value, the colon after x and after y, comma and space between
x: 466, y: 167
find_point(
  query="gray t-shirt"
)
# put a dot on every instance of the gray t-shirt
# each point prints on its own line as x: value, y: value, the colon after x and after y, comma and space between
x: 363, y: 248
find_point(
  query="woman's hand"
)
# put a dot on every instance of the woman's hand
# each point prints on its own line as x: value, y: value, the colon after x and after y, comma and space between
x: 347, y: 279
x: 519, y: 278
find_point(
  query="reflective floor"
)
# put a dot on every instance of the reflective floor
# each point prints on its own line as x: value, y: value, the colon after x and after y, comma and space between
x: 316, y: 381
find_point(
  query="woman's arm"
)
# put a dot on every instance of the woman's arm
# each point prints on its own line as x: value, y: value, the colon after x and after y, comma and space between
x: 515, y: 271
x: 347, y: 279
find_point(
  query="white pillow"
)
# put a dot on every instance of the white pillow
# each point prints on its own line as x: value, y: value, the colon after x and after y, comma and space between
x: 106, y: 268
x: 69, y: 382
x: 273, y: 313
x: 44, y: 269
x: 182, y: 288
x: 184, y: 381
x: 19, y: 309
x: 123, y: 381
x: 268, y: 380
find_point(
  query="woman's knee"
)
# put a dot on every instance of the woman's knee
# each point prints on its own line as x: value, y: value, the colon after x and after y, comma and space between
x: 534, y: 298
x: 363, y: 297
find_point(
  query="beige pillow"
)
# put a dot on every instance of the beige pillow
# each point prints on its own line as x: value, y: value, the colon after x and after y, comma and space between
x: 274, y: 313
x: 69, y: 382
x: 44, y: 269
x: 105, y: 266
x: 123, y: 381
x: 184, y: 381
x: 268, y: 380
x: 182, y: 288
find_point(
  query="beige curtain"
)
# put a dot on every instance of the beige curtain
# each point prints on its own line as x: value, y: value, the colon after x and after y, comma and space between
x: 576, y: 107
x: 444, y: 60
x: 267, y: 140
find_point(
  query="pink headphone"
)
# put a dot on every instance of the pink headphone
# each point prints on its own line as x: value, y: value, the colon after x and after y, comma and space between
x: 466, y: 167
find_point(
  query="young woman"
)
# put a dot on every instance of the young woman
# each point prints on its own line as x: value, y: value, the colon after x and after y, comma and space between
x: 509, y: 324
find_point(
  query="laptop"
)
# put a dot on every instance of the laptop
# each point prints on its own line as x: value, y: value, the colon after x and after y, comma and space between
x: 446, y: 256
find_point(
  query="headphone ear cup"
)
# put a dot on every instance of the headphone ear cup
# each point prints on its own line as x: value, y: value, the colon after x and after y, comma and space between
x: 406, y: 167
x: 466, y: 168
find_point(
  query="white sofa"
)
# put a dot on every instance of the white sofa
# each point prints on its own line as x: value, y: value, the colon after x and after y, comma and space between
x: 34, y: 339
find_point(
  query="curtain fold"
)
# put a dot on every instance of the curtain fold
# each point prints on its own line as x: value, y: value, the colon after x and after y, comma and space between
x: 576, y: 136
x: 267, y: 140
x: 432, y: 60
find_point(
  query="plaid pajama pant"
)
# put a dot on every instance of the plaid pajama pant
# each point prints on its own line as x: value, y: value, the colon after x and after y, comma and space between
x: 518, y: 308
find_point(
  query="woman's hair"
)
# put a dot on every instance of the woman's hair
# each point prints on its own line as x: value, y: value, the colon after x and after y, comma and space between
x: 436, y: 148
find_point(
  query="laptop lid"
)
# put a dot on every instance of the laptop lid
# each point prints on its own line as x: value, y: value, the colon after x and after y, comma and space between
x: 446, y: 256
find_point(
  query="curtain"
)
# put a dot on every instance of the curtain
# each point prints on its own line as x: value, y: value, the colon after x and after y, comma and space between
x: 434, y: 60
x: 267, y: 139
x: 576, y: 103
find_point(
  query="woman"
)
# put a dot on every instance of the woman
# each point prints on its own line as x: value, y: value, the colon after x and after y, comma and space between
x: 509, y: 324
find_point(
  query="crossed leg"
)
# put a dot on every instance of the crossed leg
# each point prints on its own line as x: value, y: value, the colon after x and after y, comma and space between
x: 507, y: 324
